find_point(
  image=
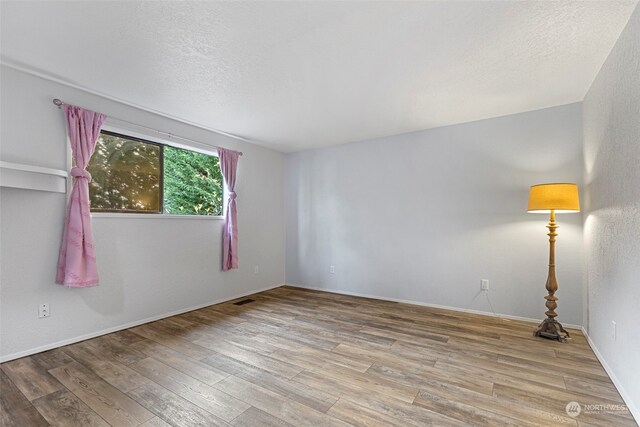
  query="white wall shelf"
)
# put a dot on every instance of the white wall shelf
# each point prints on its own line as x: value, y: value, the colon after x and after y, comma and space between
x: 16, y: 175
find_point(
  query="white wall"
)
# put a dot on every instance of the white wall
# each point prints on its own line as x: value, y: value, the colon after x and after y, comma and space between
x: 426, y: 215
x: 148, y: 267
x: 612, y: 211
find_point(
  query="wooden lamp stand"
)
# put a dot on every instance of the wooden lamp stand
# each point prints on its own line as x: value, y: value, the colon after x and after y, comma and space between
x: 553, y: 198
x: 550, y: 327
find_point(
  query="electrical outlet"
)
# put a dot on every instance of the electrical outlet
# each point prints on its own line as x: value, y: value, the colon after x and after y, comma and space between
x: 43, y: 311
x: 614, y: 330
x: 256, y: 269
x: 484, y: 284
x: 332, y: 269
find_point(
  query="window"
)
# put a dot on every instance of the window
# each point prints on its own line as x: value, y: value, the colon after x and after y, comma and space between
x: 132, y: 175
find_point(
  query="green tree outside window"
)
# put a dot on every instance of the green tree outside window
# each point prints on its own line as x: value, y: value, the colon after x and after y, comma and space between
x: 192, y: 183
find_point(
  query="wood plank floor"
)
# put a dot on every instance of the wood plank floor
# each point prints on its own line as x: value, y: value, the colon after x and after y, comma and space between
x: 307, y: 358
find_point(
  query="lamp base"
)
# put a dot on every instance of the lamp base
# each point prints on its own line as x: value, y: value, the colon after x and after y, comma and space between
x: 551, y: 329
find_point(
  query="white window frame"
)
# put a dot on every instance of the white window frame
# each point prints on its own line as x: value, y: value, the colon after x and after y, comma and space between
x: 136, y: 134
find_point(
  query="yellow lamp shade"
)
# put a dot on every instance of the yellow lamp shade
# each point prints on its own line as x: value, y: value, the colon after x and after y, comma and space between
x: 560, y: 197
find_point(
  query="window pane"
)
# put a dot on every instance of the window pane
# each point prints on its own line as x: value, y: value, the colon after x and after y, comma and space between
x: 192, y: 183
x: 126, y: 175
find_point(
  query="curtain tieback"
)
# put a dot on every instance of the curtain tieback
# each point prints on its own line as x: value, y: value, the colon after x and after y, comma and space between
x: 232, y: 195
x: 77, y: 172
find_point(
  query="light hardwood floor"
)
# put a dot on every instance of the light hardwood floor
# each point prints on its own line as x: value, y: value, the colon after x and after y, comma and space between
x: 308, y: 358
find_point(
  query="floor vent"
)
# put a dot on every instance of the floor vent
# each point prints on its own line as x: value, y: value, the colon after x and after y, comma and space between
x: 244, y: 301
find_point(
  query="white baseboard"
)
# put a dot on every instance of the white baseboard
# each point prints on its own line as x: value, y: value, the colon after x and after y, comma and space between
x: 635, y: 411
x: 425, y: 304
x: 125, y: 326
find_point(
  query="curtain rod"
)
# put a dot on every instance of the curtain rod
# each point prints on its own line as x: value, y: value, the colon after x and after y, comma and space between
x: 58, y: 103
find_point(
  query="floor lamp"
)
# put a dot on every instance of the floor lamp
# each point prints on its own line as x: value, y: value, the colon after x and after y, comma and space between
x: 553, y: 199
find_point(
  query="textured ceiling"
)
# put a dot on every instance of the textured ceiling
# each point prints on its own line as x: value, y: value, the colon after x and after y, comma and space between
x: 299, y: 75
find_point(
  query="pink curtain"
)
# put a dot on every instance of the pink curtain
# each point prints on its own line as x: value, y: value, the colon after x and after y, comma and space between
x: 77, y: 261
x: 228, y: 166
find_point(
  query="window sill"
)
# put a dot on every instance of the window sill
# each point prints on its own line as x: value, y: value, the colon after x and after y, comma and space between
x: 96, y: 215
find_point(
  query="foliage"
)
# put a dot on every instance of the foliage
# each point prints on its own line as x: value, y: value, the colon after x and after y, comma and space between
x: 125, y: 175
x: 192, y: 183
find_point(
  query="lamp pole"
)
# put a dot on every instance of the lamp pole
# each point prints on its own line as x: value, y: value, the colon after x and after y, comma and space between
x: 550, y: 327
